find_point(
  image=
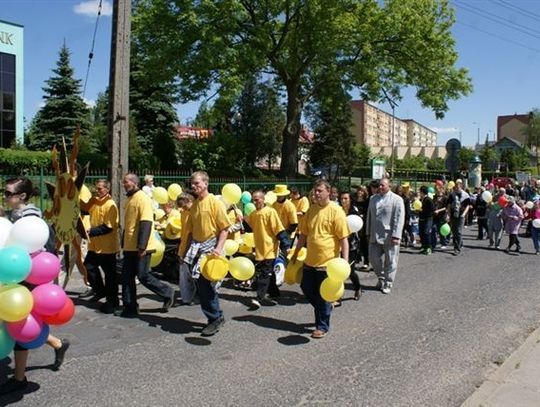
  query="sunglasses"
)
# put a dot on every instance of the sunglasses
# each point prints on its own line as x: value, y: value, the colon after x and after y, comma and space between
x: 8, y: 194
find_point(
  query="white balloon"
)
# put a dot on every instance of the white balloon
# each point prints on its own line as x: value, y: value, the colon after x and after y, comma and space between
x: 355, y: 223
x: 529, y: 205
x: 29, y: 232
x: 486, y: 196
x: 536, y: 223
x: 5, y: 228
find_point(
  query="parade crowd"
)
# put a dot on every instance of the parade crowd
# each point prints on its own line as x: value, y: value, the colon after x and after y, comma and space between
x: 175, y: 238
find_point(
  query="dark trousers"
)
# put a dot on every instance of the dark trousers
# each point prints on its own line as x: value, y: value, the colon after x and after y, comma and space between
x: 482, y: 225
x: 93, y: 261
x: 363, y: 250
x: 209, y: 299
x: 456, y: 226
x: 424, y: 228
x: 355, y: 280
x: 312, y: 279
x: 135, y: 266
x: 514, y: 241
x: 266, y: 279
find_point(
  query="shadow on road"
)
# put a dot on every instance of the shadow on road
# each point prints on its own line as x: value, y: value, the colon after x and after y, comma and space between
x: 292, y: 340
x: 273, y: 323
x: 172, y: 324
x: 197, y: 341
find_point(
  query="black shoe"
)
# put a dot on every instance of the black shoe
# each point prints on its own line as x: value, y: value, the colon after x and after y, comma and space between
x: 213, y: 327
x: 168, y: 303
x: 13, y: 385
x: 87, y: 294
x: 60, y: 353
x: 126, y: 313
x: 107, y: 308
x: 357, y: 294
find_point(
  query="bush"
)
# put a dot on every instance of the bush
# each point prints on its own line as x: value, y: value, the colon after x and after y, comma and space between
x: 21, y: 161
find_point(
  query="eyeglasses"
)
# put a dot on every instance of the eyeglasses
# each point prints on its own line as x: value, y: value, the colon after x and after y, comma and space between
x: 8, y: 194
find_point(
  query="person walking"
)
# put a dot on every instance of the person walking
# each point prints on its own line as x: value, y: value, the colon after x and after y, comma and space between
x: 535, y: 230
x: 425, y: 220
x: 208, y: 227
x: 138, y: 244
x: 512, y: 216
x: 354, y: 242
x: 384, y: 227
x: 458, y: 208
x: 325, y: 232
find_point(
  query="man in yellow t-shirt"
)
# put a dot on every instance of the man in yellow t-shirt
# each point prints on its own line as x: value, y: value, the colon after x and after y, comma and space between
x: 138, y: 244
x: 208, y: 227
x: 285, y: 209
x: 325, y: 230
x: 301, y: 203
x: 103, y: 246
x: 270, y: 237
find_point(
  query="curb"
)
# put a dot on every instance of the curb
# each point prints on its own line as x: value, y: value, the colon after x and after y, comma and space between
x: 491, y: 392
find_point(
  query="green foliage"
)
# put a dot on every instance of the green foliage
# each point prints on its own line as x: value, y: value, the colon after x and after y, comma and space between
x: 64, y: 110
x: 465, y: 155
x: 362, y: 154
x: 489, y: 157
x: 516, y: 160
x: 416, y: 162
x: 304, y: 46
x: 436, y: 164
x: 532, y: 130
x: 20, y: 161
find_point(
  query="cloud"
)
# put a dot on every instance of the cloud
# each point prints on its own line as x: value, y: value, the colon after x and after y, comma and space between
x: 89, y: 8
x: 445, y: 130
x: 89, y: 102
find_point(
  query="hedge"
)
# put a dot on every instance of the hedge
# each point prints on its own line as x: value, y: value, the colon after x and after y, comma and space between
x: 23, y: 161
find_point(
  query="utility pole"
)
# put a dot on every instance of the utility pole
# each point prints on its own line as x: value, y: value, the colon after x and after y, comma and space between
x: 118, y: 118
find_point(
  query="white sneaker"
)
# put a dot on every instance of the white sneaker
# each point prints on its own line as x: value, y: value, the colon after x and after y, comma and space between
x: 255, y: 304
x: 443, y: 247
x: 386, y: 288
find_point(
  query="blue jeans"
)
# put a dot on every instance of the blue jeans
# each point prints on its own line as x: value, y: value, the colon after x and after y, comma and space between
x: 312, y: 279
x: 135, y: 266
x: 535, y: 234
x: 209, y: 299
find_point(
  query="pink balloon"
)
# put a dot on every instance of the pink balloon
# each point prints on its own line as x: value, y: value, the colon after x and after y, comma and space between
x: 45, y: 268
x: 49, y: 299
x: 26, y: 330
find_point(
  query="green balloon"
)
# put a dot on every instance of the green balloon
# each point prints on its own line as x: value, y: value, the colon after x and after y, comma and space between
x: 445, y: 229
x: 6, y: 341
x: 248, y: 208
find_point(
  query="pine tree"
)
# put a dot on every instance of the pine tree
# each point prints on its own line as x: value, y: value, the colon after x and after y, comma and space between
x: 64, y: 109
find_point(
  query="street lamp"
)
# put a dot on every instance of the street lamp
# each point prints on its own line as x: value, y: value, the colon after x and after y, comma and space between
x: 478, y: 132
x: 392, y: 158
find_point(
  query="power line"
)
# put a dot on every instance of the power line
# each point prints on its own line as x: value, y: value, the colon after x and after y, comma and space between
x: 522, y: 11
x: 495, y: 18
x: 91, y: 54
x: 499, y: 37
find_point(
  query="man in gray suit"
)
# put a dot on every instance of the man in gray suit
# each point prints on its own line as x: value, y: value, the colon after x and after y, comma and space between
x: 384, y: 226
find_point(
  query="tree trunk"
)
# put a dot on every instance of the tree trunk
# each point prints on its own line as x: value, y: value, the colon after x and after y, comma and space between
x: 291, y: 132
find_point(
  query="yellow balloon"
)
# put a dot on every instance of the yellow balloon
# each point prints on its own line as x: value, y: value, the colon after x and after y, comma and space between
x: 157, y: 256
x: 451, y: 184
x: 160, y: 195
x: 16, y: 302
x: 249, y: 239
x: 241, y: 268
x: 270, y: 198
x: 214, y: 268
x: 173, y: 191
x: 85, y: 194
x: 332, y: 290
x: 231, y: 247
x: 231, y: 193
x: 293, y: 272
x: 243, y: 249
x: 417, y: 205
x: 301, y: 254
x: 338, y: 269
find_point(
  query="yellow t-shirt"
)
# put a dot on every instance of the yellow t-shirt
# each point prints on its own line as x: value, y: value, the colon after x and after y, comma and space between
x: 301, y: 204
x: 184, y: 234
x: 138, y: 207
x: 286, y: 212
x: 104, y: 212
x: 324, y: 227
x: 266, y: 225
x: 207, y: 218
x: 233, y: 214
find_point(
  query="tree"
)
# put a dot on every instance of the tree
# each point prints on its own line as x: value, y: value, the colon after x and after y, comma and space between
x: 375, y: 47
x: 532, y: 130
x: 64, y: 110
x: 516, y: 160
x: 489, y: 157
x: 465, y: 155
x: 152, y: 110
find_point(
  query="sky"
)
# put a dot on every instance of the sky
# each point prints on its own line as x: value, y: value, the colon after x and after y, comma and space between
x: 498, y: 41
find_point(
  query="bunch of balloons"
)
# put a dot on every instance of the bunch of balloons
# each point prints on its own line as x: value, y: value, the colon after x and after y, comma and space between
x: 27, y: 312
x: 294, y: 271
x: 332, y: 287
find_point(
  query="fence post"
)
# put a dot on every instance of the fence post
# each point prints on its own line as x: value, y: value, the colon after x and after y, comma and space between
x: 244, y: 181
x: 41, y: 188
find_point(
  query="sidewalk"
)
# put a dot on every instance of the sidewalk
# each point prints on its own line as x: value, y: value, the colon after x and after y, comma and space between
x: 516, y: 382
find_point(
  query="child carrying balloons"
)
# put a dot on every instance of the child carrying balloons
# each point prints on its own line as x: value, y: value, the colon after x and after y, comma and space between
x: 22, y: 325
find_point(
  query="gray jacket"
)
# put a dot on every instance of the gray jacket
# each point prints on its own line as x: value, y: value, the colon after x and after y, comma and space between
x: 385, y: 218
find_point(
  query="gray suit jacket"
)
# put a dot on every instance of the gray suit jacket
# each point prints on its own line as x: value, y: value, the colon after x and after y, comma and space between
x: 385, y: 218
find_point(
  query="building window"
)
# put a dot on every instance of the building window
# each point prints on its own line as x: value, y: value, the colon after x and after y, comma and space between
x: 7, y: 99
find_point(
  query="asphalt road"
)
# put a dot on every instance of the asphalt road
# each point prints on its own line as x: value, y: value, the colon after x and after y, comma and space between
x: 448, y: 321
